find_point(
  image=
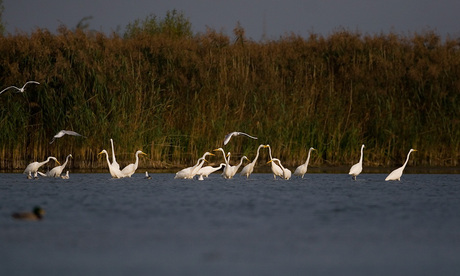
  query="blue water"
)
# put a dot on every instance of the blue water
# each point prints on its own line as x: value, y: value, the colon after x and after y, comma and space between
x: 324, y: 224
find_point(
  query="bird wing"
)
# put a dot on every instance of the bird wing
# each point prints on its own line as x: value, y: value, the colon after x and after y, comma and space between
x: 35, y: 82
x: 9, y: 88
x: 247, y: 135
x: 236, y: 133
x: 228, y: 137
x: 70, y: 132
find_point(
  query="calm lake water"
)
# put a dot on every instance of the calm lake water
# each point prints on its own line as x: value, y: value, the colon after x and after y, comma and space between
x: 324, y: 224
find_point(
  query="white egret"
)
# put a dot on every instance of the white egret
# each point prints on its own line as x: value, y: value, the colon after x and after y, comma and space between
x: 225, y: 159
x: 249, y: 168
x: 64, y: 132
x: 131, y: 168
x: 147, y: 176
x: 114, y: 160
x: 302, y: 169
x: 66, y: 176
x: 56, y: 171
x: 230, y: 171
x: 236, y: 133
x: 277, y: 171
x: 34, y: 166
x: 357, y: 168
x: 206, y: 171
x: 114, y: 172
x: 286, y: 172
x: 190, y: 172
x: 19, y: 89
x: 396, y: 174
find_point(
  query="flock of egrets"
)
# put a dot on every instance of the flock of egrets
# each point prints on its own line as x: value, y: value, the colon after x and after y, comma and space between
x: 229, y: 171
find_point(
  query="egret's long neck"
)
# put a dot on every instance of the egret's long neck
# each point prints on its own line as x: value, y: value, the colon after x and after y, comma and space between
x: 308, y: 157
x: 361, y: 158
x: 66, y: 160
x: 113, y: 152
x: 137, y: 160
x: 241, y: 162
x: 257, y: 154
x: 44, y: 162
x: 270, y: 152
x: 107, y: 157
x: 407, y: 159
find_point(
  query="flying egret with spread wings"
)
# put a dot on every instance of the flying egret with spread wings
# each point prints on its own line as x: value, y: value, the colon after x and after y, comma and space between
x: 236, y: 133
x: 396, y: 174
x: 64, y: 132
x: 22, y: 89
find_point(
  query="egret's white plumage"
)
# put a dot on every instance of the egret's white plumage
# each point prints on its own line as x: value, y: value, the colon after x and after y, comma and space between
x: 302, y: 169
x: 66, y: 176
x: 34, y: 166
x: 65, y: 132
x: 286, y: 172
x: 131, y: 168
x: 357, y: 168
x: 22, y: 89
x: 114, y: 160
x: 230, y: 170
x: 277, y: 171
x: 225, y: 159
x: 236, y: 133
x: 190, y: 172
x: 114, y: 172
x: 206, y: 171
x: 249, y: 168
x: 396, y: 174
x: 56, y: 171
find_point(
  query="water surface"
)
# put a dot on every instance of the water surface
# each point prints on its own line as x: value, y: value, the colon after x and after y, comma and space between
x: 323, y: 224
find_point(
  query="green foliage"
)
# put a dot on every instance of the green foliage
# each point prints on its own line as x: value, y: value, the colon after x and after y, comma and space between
x: 175, y: 97
x: 174, y: 24
x: 2, y: 24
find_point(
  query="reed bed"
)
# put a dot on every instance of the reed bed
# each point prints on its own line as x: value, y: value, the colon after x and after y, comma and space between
x: 176, y: 96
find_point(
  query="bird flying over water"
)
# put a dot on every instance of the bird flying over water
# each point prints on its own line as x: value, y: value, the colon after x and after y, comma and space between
x: 19, y: 89
x: 64, y: 132
x: 236, y: 133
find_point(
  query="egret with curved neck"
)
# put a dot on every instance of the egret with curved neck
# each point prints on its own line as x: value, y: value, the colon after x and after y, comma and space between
x: 357, y: 168
x: 33, y: 167
x: 302, y: 169
x: 131, y: 168
x: 277, y: 171
x: 114, y: 172
x: 249, y: 168
x: 57, y: 171
x: 286, y: 172
x: 396, y: 174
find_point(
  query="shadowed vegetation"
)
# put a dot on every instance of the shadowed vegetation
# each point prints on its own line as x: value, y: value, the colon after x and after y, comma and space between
x: 175, y: 95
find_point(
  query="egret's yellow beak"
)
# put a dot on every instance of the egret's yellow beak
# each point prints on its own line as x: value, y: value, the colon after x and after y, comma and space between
x: 269, y: 161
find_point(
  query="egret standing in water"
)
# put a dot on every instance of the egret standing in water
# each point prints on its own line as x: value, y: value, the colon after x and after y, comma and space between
x: 277, y: 171
x: 33, y: 167
x: 249, y: 168
x: 357, y: 168
x: 230, y: 171
x: 206, y: 171
x: 190, y: 172
x: 131, y: 168
x: 114, y: 171
x: 286, y: 172
x: 22, y: 89
x: 396, y: 174
x: 302, y: 169
x: 56, y: 171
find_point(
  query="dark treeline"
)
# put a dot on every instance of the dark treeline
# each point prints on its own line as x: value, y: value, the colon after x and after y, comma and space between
x: 175, y: 95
